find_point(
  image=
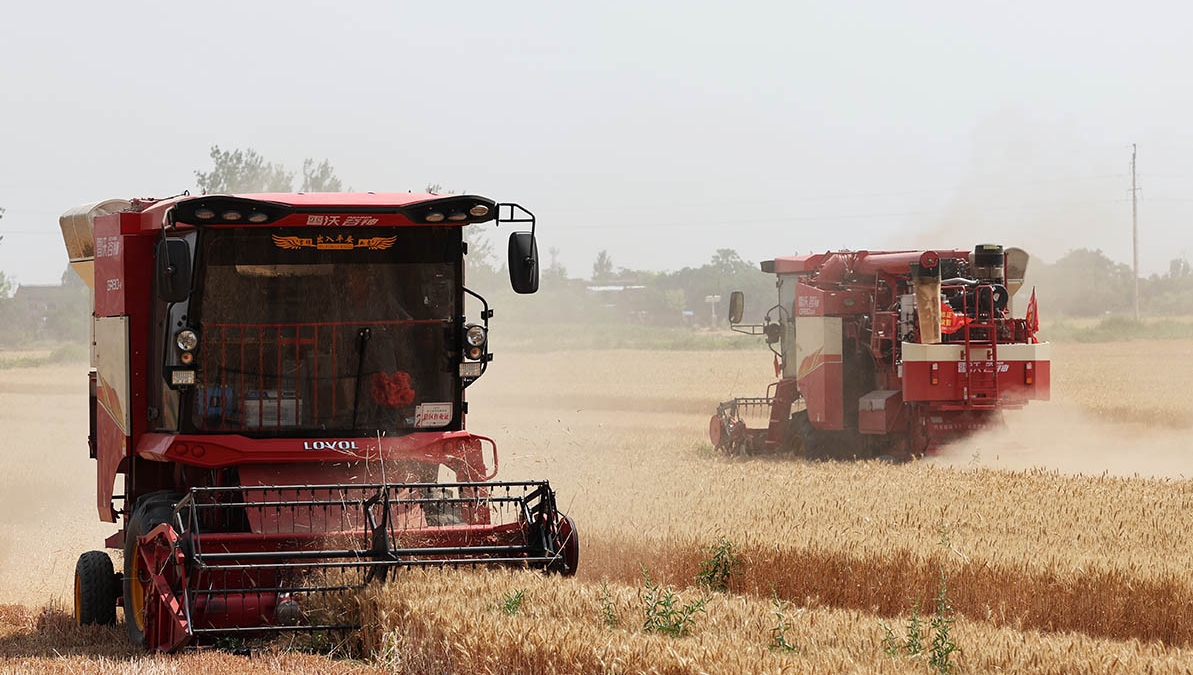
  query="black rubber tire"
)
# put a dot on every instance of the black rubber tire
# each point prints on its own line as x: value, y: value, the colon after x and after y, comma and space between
x: 96, y: 589
x: 571, y: 545
x: 797, y: 431
x: 152, y: 510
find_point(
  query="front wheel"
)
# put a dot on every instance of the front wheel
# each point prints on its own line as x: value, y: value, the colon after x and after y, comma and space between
x: 152, y: 510
x: 96, y: 589
x: 569, y: 547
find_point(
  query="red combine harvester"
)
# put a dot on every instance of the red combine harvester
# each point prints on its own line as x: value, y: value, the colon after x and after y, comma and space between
x: 277, y: 408
x: 891, y: 354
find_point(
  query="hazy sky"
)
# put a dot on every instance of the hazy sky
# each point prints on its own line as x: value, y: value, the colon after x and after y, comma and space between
x: 657, y: 131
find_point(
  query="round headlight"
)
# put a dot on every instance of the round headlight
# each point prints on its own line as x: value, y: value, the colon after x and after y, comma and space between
x: 475, y: 335
x: 186, y: 340
x: 257, y: 217
x: 204, y: 214
x: 232, y: 215
x: 434, y: 217
x: 479, y: 210
x: 458, y: 215
x: 475, y: 353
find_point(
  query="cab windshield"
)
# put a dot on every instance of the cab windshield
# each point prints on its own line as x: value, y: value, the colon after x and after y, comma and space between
x: 337, y: 331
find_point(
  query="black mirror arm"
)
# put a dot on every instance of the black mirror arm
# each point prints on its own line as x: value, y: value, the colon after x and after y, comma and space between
x: 515, y: 214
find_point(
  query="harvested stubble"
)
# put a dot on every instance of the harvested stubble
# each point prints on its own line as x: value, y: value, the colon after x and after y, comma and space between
x: 46, y: 640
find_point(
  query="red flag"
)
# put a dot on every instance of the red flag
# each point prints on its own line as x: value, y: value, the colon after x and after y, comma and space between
x: 1033, y: 313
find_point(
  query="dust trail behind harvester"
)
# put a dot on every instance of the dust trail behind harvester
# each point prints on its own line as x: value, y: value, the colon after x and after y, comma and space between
x: 1062, y: 437
x: 47, y: 483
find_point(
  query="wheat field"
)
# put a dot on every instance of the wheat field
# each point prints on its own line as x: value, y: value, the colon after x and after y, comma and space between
x: 1062, y: 538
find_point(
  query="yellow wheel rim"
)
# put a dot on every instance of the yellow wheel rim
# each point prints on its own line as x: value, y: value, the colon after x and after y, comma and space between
x: 78, y: 599
x: 137, y: 590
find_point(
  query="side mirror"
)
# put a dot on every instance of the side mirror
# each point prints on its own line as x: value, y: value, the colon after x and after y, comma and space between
x: 737, y: 303
x: 524, y: 262
x: 173, y: 270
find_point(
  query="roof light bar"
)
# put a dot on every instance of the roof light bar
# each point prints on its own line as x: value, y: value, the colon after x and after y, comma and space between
x: 227, y: 209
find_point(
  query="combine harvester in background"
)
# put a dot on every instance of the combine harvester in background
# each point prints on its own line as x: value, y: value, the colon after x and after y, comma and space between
x: 277, y: 408
x: 888, y: 354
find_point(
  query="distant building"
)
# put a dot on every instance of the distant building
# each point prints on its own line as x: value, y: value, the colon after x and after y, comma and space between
x: 50, y: 312
x: 42, y: 300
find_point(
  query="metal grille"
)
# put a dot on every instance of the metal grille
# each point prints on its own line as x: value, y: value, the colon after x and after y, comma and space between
x: 274, y: 558
x: 288, y: 375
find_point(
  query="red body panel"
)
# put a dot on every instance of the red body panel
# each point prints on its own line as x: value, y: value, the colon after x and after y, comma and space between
x: 822, y: 389
x: 111, y: 447
x: 123, y: 287
x: 879, y: 411
x: 461, y: 450
x: 813, y: 301
x: 1012, y: 381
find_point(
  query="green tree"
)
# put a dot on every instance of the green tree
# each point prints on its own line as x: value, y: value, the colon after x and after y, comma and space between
x: 1171, y: 293
x: 1086, y: 283
x: 320, y: 177
x: 555, y: 270
x: 243, y: 171
x: 602, y: 267
x: 68, y: 319
x: 727, y: 262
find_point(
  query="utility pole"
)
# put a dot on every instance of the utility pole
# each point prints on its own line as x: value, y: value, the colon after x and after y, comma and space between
x: 1134, y: 231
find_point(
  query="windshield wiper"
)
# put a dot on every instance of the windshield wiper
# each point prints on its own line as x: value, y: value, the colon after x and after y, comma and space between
x: 362, y: 339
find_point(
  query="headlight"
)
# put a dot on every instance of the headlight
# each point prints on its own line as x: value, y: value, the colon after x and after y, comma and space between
x: 475, y: 335
x: 186, y: 340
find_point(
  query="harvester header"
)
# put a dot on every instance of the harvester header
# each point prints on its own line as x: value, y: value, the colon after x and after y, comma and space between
x: 278, y: 406
x: 889, y: 353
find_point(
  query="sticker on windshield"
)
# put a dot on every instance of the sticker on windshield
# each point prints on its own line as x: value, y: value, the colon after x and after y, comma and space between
x: 338, y: 243
x: 432, y: 415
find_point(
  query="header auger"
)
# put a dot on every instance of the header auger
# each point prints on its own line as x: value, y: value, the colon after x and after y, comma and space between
x: 888, y: 354
x: 277, y: 408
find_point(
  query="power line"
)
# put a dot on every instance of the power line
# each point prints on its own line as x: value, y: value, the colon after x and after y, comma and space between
x: 1134, y: 230
x: 832, y: 217
x: 667, y: 204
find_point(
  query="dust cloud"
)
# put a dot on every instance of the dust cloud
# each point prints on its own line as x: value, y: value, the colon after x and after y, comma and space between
x: 1061, y: 437
x: 47, y: 483
x: 1029, y: 183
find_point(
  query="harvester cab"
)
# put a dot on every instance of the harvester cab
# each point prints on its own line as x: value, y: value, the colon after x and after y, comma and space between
x: 278, y: 407
x: 888, y: 354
